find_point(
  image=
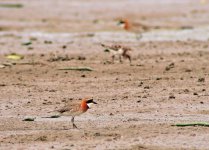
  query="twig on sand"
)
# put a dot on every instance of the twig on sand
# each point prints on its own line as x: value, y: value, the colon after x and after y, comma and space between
x: 192, y: 124
x: 28, y: 119
x: 54, y: 116
x: 9, y: 5
x: 77, y: 68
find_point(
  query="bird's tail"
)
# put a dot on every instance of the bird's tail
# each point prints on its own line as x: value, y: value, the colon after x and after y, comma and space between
x: 53, y: 116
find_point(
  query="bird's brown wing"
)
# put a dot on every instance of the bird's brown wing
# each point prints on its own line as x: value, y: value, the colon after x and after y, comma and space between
x: 113, y: 47
x: 64, y: 109
x: 147, y: 27
x: 70, y: 107
x: 140, y: 27
x: 127, y: 49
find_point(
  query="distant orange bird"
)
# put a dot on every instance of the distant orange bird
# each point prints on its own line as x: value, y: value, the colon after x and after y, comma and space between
x: 76, y: 109
x: 134, y: 27
x: 138, y: 27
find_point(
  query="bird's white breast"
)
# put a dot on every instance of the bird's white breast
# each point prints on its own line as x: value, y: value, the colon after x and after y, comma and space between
x: 118, y: 52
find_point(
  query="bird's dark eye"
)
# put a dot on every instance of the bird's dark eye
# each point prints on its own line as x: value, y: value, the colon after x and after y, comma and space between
x: 121, y: 21
x: 89, y: 101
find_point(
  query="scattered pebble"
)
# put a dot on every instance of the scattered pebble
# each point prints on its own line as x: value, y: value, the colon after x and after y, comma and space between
x: 97, y: 134
x: 141, y: 83
x: 188, y: 70
x: 158, y: 78
x: 48, y: 42
x: 42, y: 138
x: 83, y: 76
x: 172, y: 97
x: 111, y: 114
x: 201, y: 80
x: 60, y: 58
x: 195, y: 93
x: 81, y: 58
x: 186, y: 91
x: 170, y: 66
x: 146, y: 87
x: 64, y: 46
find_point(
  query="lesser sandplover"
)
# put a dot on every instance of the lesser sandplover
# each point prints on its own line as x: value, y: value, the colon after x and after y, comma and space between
x: 134, y: 27
x: 75, y: 109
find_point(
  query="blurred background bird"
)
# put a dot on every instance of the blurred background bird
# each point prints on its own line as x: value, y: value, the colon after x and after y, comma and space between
x: 139, y: 27
x: 118, y: 50
x: 134, y: 27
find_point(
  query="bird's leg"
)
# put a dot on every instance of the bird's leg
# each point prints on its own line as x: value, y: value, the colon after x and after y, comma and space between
x: 127, y: 56
x: 120, y: 58
x: 72, y: 120
x: 113, y: 58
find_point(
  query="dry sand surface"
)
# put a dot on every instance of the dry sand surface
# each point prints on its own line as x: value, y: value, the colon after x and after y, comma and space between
x: 166, y: 84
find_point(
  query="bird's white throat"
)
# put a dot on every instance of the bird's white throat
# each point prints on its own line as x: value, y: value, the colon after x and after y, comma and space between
x: 89, y: 105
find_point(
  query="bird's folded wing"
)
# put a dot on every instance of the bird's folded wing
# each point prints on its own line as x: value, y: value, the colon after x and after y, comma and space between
x: 69, y: 107
x: 113, y: 47
x: 127, y: 49
x: 62, y: 110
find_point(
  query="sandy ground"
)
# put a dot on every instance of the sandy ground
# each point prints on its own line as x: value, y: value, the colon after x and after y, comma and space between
x: 167, y: 82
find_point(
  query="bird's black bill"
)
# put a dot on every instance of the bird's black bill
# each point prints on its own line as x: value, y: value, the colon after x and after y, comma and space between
x: 94, y: 102
x: 91, y: 101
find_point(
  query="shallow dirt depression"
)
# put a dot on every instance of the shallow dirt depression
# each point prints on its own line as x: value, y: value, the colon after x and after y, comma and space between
x: 166, y: 84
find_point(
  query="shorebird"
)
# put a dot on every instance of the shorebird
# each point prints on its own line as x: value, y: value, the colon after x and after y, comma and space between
x: 138, y: 27
x: 134, y: 27
x: 118, y: 50
x: 75, y: 109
